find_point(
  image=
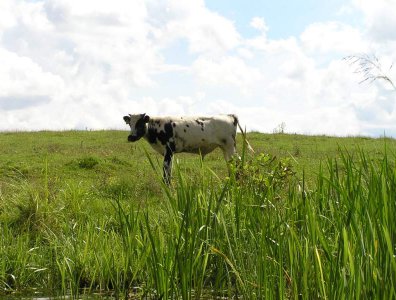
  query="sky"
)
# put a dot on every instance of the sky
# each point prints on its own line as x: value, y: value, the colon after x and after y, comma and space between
x: 72, y: 64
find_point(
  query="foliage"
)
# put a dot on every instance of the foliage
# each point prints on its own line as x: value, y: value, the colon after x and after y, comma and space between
x: 262, y: 173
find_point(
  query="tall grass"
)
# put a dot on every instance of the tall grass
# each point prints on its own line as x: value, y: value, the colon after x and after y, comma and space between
x: 259, y: 233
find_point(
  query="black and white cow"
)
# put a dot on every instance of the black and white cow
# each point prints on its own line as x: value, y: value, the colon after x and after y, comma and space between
x: 169, y: 135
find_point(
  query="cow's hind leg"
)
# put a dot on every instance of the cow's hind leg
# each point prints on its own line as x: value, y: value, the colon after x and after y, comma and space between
x: 229, y: 151
x: 229, y: 148
x: 167, y: 167
x: 230, y: 155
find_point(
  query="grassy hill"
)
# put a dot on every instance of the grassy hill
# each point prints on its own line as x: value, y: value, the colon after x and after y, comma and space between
x: 92, y: 158
x: 84, y: 211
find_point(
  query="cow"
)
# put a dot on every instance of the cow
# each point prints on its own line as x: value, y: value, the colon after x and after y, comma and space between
x: 200, y: 135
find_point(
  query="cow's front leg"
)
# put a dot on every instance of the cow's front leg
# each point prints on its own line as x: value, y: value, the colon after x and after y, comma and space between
x: 168, y: 165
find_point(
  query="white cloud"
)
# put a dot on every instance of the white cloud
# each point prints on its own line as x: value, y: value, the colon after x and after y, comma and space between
x: 205, y: 31
x: 76, y: 60
x: 379, y: 18
x: 335, y: 121
x: 7, y: 18
x: 227, y: 70
x: 333, y: 37
x: 83, y: 64
x: 259, y: 24
x: 21, y: 77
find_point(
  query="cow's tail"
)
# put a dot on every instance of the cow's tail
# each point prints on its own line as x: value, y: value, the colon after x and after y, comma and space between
x: 236, y: 122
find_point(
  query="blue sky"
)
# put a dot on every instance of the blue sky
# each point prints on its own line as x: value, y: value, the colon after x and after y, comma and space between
x: 69, y: 64
x: 284, y: 18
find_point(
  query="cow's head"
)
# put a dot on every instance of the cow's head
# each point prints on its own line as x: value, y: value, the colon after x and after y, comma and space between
x: 138, y: 126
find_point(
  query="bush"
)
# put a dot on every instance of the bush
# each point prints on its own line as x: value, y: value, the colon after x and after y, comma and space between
x: 263, y: 173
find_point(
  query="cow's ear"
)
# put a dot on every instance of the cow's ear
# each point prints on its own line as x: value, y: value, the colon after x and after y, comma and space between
x: 146, y: 119
x: 127, y: 119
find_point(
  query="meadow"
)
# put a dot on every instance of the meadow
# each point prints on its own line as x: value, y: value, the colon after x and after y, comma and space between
x: 305, y: 217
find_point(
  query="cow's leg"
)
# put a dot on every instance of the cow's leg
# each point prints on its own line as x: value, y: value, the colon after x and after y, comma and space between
x: 167, y: 168
x: 229, y: 152
x: 229, y: 148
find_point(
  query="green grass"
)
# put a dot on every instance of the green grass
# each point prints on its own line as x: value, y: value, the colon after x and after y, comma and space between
x: 305, y: 217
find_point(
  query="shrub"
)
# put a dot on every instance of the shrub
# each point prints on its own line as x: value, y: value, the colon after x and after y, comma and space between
x: 264, y: 172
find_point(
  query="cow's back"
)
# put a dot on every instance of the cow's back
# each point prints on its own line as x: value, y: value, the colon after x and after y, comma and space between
x: 191, y: 134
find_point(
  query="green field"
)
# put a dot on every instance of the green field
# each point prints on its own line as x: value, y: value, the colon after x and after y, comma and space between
x: 305, y: 217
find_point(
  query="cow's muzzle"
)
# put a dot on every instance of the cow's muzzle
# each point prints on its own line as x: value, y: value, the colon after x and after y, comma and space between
x: 132, y: 138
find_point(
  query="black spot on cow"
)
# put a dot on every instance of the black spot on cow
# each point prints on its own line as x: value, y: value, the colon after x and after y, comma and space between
x: 199, y: 122
x: 224, y: 141
x: 185, y: 130
x: 174, y: 124
x: 152, y: 135
x: 168, y: 129
x: 164, y: 135
x: 187, y: 125
x: 140, y: 126
x: 203, y: 140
